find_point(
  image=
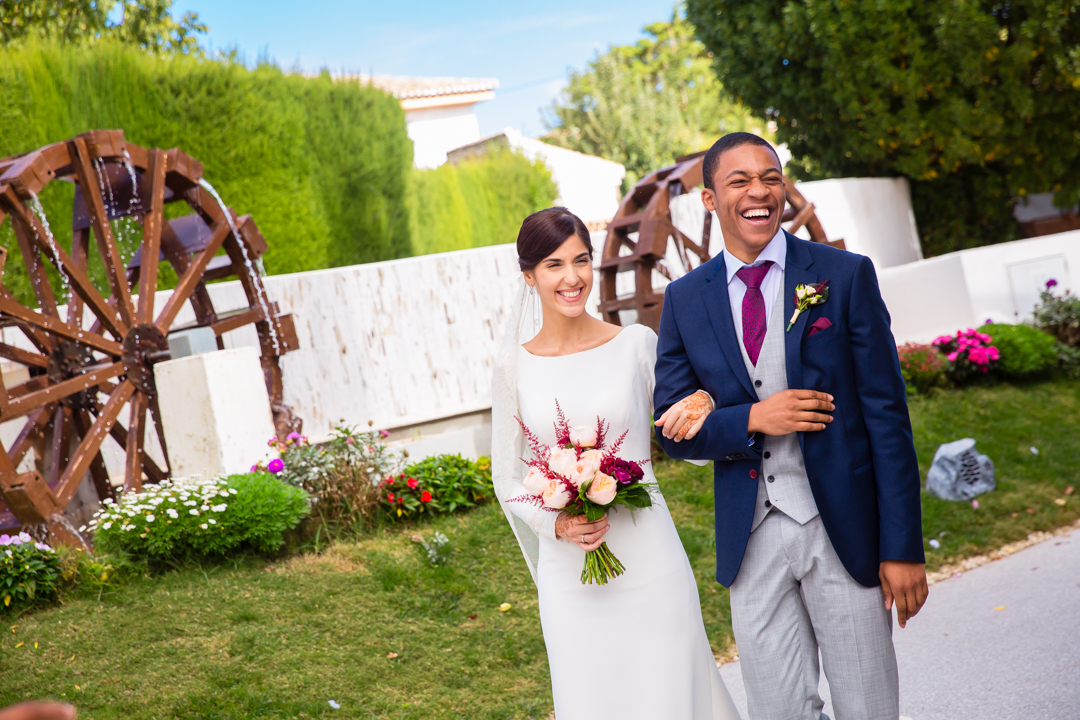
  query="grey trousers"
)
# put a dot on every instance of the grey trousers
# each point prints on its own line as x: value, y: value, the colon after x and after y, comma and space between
x: 791, y: 597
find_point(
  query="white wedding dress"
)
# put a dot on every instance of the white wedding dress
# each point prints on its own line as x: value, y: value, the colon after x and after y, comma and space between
x: 636, y: 647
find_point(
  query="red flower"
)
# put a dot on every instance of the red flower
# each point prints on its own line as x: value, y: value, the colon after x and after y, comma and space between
x: 401, y: 498
x: 413, y: 482
x: 390, y: 497
x: 425, y: 496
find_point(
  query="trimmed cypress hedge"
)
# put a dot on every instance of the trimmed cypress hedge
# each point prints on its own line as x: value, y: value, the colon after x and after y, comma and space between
x: 324, y: 166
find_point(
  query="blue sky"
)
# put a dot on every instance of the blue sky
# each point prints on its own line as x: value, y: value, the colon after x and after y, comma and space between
x: 527, y: 46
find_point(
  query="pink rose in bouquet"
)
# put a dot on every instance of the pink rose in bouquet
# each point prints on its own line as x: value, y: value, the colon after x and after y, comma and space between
x: 583, y: 475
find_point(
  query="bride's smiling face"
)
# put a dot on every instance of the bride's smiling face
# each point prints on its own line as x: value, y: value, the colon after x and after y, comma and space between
x: 564, y: 278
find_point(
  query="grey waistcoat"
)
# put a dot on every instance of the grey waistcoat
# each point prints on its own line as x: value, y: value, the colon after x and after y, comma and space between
x: 783, y: 482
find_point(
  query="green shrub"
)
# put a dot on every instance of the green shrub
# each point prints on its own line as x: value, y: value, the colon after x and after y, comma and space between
x: 1069, y: 359
x: 341, y: 475
x: 1025, y: 351
x: 323, y: 166
x: 478, y: 202
x: 29, y: 572
x: 923, y: 367
x: 191, y: 518
x: 436, y: 485
x: 1059, y: 315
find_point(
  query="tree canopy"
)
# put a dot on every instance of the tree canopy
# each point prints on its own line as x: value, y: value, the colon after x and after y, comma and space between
x: 148, y: 24
x: 643, y: 105
x: 975, y: 101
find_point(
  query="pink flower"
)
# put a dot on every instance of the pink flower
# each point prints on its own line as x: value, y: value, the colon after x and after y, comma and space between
x: 275, y: 466
x: 536, y: 481
x: 562, y: 460
x: 583, y: 436
x: 348, y: 441
x: 556, y: 496
x: 942, y: 340
x: 952, y: 356
x: 384, y: 433
x: 583, y: 471
x: 993, y: 353
x: 602, y: 490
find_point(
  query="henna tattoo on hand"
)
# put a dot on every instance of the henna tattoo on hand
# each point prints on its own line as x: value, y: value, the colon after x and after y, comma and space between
x: 695, y: 407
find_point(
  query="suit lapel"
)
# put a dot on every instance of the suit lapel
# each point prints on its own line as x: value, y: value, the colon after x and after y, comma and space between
x: 718, y: 306
x: 796, y: 272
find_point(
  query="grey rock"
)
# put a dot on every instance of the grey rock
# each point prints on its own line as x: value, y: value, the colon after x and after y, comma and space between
x: 960, y: 472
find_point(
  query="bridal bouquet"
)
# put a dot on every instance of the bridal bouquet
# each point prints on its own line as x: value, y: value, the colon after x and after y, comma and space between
x: 582, y: 475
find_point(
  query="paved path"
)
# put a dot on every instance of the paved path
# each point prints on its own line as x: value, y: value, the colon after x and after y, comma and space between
x: 963, y: 659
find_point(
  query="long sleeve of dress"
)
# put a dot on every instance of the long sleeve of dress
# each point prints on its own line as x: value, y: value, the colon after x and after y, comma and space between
x: 539, y: 518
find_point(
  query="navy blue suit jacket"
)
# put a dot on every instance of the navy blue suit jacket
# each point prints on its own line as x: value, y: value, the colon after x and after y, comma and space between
x: 862, y: 467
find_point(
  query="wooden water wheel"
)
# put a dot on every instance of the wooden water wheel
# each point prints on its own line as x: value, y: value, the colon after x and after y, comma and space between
x: 76, y: 368
x: 662, y: 245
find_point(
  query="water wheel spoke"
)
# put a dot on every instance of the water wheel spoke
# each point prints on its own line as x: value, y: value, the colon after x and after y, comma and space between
x: 10, y: 306
x: 99, y: 221
x: 151, y: 244
x: 155, y: 412
x: 120, y: 434
x: 78, y: 279
x: 98, y: 472
x: 91, y: 442
x: 35, y: 267
x: 65, y: 388
x: 136, y: 430
x: 191, y: 278
x: 25, y: 357
x: 80, y: 244
x: 58, y: 435
x: 35, y: 425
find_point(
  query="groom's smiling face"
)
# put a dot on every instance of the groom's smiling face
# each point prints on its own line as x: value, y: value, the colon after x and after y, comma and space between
x: 748, y: 198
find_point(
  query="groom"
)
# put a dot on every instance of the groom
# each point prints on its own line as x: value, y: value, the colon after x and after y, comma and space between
x: 818, y: 521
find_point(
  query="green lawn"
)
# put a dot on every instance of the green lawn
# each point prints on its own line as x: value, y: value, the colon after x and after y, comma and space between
x: 251, y: 639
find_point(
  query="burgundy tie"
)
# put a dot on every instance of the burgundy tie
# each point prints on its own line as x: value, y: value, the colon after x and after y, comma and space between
x: 754, y: 321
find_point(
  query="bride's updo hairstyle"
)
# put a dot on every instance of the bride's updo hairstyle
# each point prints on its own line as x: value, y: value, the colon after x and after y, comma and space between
x: 544, y: 232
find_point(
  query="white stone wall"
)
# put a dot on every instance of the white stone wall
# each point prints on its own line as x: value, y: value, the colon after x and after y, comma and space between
x: 872, y: 215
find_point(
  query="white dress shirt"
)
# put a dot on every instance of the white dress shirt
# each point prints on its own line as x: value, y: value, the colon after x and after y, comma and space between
x: 776, y: 251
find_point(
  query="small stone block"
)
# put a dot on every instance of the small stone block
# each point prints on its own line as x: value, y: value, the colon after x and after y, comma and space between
x: 195, y: 341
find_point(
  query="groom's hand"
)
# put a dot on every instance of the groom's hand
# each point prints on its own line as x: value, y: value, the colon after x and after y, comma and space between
x: 791, y: 411
x: 905, y: 584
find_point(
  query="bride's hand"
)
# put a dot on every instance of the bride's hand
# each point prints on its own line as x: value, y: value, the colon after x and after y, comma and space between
x: 576, y: 529
x: 684, y: 419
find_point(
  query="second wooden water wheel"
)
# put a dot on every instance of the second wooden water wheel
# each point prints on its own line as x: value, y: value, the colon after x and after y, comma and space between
x: 85, y: 354
x: 646, y: 236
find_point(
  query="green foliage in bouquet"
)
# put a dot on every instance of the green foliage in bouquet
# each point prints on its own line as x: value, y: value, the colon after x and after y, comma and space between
x: 923, y: 367
x: 1059, y: 315
x: 1025, y: 351
x: 192, y: 518
x: 29, y: 572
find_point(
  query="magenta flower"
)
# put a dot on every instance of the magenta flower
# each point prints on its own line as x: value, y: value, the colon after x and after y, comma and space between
x: 275, y: 466
x: 952, y: 356
x: 384, y: 433
x: 1051, y: 283
x: 294, y: 436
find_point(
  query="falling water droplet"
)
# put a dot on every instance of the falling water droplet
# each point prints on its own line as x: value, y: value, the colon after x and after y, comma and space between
x: 35, y: 205
x: 260, y: 291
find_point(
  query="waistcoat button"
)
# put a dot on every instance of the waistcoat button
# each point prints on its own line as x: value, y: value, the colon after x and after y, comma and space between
x: 771, y: 478
x: 768, y: 504
x: 767, y: 454
x: 757, y: 383
x: 753, y: 474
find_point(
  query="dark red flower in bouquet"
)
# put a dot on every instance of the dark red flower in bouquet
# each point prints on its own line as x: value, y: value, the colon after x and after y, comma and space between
x: 625, y: 471
x: 413, y: 482
x: 425, y: 496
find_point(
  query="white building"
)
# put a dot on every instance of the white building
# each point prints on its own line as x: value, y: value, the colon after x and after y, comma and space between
x: 590, y: 187
x: 438, y: 111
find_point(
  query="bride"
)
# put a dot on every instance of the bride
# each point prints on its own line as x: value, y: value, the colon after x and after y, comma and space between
x: 636, y: 647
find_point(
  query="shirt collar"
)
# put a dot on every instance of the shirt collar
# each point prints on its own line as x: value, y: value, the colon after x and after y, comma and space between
x: 776, y: 251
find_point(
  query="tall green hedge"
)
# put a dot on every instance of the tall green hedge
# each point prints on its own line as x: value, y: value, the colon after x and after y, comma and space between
x: 322, y: 166
x: 478, y: 202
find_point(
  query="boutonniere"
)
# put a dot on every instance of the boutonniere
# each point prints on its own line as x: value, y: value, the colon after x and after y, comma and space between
x: 806, y: 296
